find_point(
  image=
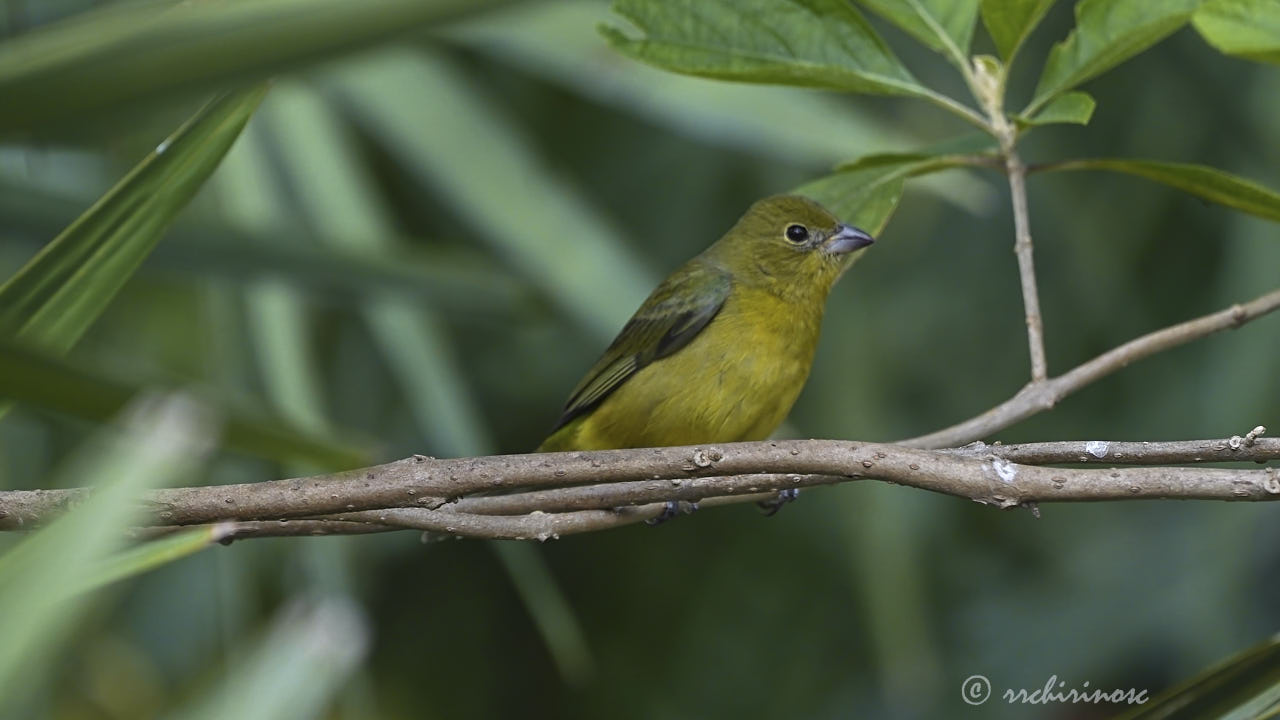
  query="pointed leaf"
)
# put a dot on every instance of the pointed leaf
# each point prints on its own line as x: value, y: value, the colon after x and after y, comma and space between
x: 943, y: 25
x: 815, y: 43
x: 127, y: 52
x: 1010, y: 22
x: 792, y: 124
x: 462, y: 281
x: 42, y: 579
x: 1242, y: 687
x: 1245, y: 28
x: 45, y: 381
x: 332, y: 187
x: 151, y: 555
x: 54, y: 298
x: 550, y: 609
x: 1209, y: 183
x: 543, y: 225
x: 1107, y: 33
x: 296, y: 670
x: 1075, y: 107
x: 866, y: 192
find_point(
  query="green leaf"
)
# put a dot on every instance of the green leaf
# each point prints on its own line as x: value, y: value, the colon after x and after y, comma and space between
x: 45, y: 381
x: 1205, y: 182
x: 54, y: 298
x: 151, y: 555
x: 463, y: 281
x: 42, y: 580
x: 296, y: 670
x: 1075, y: 107
x: 1242, y: 687
x: 1245, y: 28
x: 279, y: 323
x: 796, y: 125
x: 544, y: 228
x: 331, y: 186
x: 550, y: 609
x: 1107, y: 33
x: 863, y: 198
x: 101, y: 60
x: 1010, y: 22
x: 866, y: 192
x: 944, y: 25
x: 815, y: 43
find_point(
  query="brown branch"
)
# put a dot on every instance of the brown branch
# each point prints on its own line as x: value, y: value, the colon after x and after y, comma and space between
x: 437, y: 495
x: 1038, y: 397
x: 233, y: 530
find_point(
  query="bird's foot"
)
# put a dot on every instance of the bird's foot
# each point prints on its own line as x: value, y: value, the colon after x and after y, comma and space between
x: 671, y: 509
x: 773, y: 505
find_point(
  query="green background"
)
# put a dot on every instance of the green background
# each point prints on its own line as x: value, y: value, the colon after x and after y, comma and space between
x: 360, y: 264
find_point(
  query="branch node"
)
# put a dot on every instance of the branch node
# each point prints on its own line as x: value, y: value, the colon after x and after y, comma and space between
x: 1238, y: 316
x: 1252, y: 436
x: 1271, y: 483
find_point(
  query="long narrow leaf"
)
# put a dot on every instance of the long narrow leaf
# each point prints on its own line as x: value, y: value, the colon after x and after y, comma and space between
x: 1243, y: 687
x: 295, y: 670
x: 333, y: 190
x: 47, y: 382
x: 150, y: 555
x: 463, y: 281
x: 42, y: 579
x: 459, y: 145
x: 128, y: 52
x: 1205, y: 182
x: 54, y: 298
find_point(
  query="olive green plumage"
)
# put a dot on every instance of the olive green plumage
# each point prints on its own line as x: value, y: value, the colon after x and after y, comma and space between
x: 720, y: 350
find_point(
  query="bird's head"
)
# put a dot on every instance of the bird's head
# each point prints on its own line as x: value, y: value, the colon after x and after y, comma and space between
x: 791, y: 245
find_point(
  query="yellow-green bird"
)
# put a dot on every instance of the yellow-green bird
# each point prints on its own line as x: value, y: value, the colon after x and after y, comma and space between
x: 721, y: 349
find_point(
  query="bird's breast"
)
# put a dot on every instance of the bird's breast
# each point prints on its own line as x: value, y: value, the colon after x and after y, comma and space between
x: 735, y: 381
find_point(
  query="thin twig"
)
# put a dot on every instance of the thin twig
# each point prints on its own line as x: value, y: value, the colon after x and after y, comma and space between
x: 1038, y: 397
x: 986, y: 80
x: 272, y: 528
x: 1022, y: 247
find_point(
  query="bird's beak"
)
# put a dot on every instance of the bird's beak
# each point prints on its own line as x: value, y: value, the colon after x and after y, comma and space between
x: 846, y: 239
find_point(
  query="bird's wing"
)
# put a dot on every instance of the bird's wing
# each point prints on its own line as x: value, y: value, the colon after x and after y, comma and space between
x: 674, y: 314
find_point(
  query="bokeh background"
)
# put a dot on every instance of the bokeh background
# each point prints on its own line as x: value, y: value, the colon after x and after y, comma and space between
x: 421, y: 246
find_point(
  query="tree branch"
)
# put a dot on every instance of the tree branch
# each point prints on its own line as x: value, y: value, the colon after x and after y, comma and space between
x: 569, y: 496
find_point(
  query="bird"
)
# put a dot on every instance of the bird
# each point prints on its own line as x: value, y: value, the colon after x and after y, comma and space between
x: 721, y: 349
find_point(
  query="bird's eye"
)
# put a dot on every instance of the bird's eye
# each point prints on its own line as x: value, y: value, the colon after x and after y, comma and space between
x: 797, y: 233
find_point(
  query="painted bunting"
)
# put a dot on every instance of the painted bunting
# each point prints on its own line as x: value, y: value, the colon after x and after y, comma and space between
x: 720, y: 350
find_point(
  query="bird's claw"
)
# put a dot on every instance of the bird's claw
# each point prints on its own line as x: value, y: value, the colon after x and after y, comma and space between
x: 671, y: 509
x: 774, y: 504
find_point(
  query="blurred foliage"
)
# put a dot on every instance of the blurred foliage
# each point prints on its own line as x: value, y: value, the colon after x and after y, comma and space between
x: 435, y: 221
